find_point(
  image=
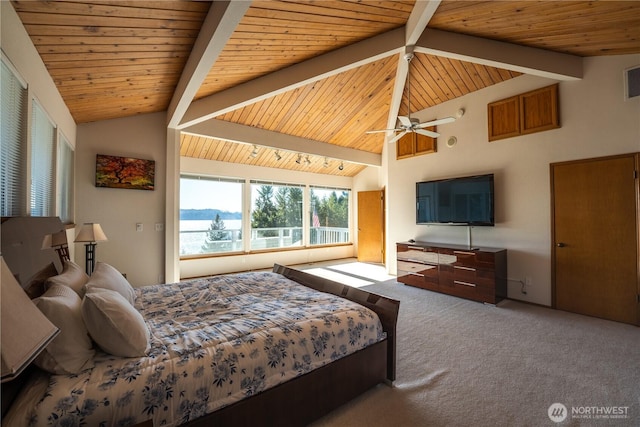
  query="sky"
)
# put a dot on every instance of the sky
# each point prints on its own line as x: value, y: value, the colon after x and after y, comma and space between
x: 198, y: 194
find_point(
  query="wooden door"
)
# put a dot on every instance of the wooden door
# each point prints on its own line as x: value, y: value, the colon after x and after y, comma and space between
x: 371, y: 226
x: 595, y: 237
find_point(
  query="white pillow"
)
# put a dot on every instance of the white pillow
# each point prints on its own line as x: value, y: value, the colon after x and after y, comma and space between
x: 71, y: 276
x: 114, y: 324
x: 107, y: 277
x: 72, y: 350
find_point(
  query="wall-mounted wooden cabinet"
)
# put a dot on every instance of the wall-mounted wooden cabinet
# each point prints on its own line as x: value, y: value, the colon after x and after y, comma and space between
x: 529, y: 112
x: 414, y: 144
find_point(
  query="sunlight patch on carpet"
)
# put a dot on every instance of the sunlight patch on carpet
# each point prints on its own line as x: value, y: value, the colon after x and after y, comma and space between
x: 339, y: 277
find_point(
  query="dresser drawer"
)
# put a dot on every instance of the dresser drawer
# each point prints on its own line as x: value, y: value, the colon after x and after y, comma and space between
x: 467, y: 258
x: 478, y: 277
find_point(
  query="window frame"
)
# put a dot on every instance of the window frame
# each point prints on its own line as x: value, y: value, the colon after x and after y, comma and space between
x: 233, y: 250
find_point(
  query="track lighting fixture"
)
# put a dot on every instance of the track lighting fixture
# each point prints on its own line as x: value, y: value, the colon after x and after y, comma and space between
x: 254, y: 153
x: 306, y: 160
x: 341, y: 167
x: 277, y: 154
x: 326, y: 163
x: 299, y: 159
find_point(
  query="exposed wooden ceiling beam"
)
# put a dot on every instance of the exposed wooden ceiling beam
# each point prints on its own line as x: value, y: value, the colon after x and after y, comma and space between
x: 421, y: 14
x: 509, y: 56
x: 233, y: 132
x: 295, y: 76
x: 416, y: 24
x: 218, y: 26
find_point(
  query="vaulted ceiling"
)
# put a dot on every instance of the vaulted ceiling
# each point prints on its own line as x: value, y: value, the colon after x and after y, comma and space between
x: 306, y: 77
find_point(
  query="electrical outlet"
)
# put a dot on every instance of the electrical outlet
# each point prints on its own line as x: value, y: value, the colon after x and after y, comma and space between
x: 159, y: 226
x: 527, y: 280
x: 139, y: 226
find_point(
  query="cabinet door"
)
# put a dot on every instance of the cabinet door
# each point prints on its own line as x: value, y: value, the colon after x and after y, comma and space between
x: 504, y: 118
x: 425, y: 144
x: 405, y: 146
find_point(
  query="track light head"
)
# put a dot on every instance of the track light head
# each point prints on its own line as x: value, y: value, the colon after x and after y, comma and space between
x: 341, y: 167
x: 254, y: 153
x: 277, y: 154
x: 299, y: 159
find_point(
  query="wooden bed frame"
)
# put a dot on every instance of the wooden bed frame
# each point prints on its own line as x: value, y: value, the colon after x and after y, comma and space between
x: 296, y: 402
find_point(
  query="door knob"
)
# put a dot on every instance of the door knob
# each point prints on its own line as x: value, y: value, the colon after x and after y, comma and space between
x: 560, y: 245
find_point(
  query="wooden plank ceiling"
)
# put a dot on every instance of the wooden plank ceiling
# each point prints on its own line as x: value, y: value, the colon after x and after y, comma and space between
x: 113, y: 59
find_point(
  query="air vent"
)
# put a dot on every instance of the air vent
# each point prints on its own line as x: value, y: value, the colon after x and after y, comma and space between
x: 632, y: 82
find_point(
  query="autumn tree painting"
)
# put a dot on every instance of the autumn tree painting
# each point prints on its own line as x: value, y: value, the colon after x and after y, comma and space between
x: 124, y: 172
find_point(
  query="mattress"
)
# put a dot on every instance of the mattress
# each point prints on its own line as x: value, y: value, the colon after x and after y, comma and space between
x: 214, y: 341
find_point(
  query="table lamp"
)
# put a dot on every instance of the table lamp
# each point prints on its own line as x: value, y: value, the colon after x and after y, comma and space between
x: 90, y: 233
x: 57, y: 241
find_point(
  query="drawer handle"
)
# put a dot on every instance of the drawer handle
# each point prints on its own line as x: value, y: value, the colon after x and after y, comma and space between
x: 416, y: 274
x: 464, y: 268
x: 458, y: 282
x: 418, y: 248
x: 464, y: 253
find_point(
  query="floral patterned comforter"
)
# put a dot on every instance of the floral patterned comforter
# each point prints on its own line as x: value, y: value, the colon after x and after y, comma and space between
x: 214, y: 341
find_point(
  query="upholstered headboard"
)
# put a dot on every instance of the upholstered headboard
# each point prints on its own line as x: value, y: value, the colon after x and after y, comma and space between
x: 21, y: 245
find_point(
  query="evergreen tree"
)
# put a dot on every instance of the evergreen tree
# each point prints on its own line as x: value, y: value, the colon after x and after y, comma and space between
x: 265, y: 214
x: 215, y: 233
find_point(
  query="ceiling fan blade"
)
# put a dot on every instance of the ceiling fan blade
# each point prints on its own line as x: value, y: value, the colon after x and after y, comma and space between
x: 382, y: 130
x: 397, y: 137
x: 405, y: 121
x: 427, y: 133
x: 436, y: 122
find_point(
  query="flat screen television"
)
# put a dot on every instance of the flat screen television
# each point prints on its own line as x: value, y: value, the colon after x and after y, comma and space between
x: 464, y: 200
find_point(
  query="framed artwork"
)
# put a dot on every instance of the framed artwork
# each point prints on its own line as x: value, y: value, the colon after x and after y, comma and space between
x: 125, y: 172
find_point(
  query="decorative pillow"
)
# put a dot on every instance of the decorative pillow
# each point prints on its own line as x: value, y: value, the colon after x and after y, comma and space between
x: 114, y: 324
x: 72, y: 350
x: 107, y: 277
x: 35, y: 286
x: 71, y: 276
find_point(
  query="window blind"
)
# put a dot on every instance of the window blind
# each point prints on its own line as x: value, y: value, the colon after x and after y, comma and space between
x: 43, y: 134
x: 65, y: 180
x: 13, y: 160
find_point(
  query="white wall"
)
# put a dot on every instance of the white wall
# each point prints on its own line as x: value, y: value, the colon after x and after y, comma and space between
x: 140, y: 255
x: 596, y: 121
x: 196, y: 267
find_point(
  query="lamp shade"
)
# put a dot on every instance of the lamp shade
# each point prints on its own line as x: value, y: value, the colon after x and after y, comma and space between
x: 54, y: 240
x: 90, y: 232
x: 25, y: 330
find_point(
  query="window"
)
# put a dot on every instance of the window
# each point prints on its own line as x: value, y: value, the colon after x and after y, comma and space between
x: 65, y: 180
x: 210, y: 215
x: 38, y: 195
x: 13, y: 120
x: 276, y: 215
x: 43, y: 134
x: 329, y: 216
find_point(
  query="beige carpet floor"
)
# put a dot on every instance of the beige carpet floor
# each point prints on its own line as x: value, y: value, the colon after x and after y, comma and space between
x: 462, y: 363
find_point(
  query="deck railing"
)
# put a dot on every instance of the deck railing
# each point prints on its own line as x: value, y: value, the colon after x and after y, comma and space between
x: 194, y: 241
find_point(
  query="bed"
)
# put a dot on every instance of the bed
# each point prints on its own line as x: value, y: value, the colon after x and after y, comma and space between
x: 206, y: 365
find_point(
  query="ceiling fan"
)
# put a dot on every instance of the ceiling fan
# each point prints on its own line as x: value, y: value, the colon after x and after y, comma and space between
x: 407, y: 124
